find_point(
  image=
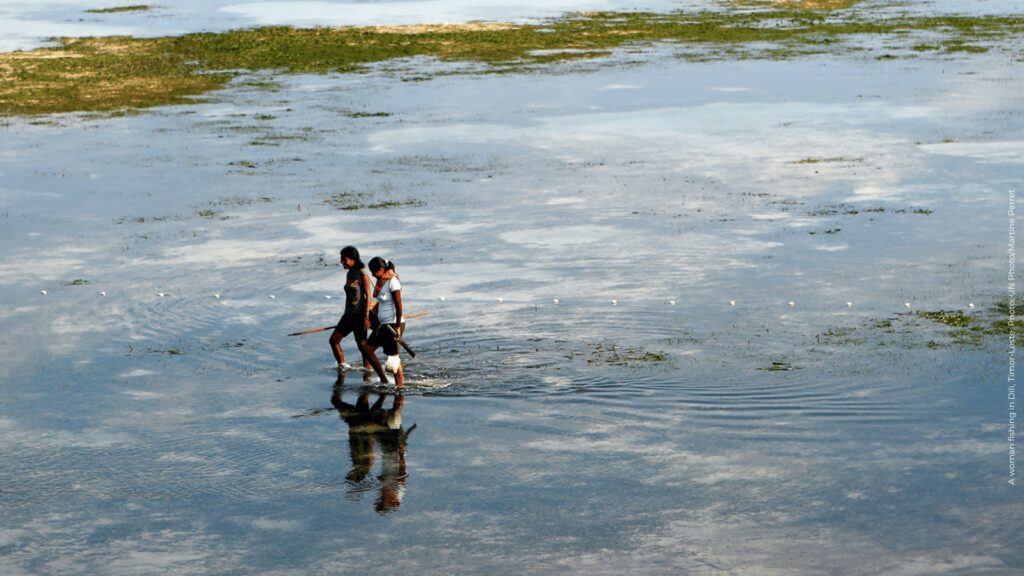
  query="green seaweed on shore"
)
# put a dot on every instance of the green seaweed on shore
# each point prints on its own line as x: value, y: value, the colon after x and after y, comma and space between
x: 115, y: 73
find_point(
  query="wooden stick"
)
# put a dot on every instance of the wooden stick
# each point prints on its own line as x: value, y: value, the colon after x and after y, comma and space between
x: 313, y: 330
x: 406, y: 317
x: 401, y: 341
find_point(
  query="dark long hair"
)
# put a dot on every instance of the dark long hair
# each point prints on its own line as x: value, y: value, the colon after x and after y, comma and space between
x: 379, y: 263
x: 353, y: 254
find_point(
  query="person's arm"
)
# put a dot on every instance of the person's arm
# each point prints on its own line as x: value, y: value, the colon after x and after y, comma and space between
x: 366, y: 290
x: 397, y: 294
x: 377, y: 284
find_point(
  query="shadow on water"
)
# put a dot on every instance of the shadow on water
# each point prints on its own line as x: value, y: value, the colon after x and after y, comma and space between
x: 373, y: 428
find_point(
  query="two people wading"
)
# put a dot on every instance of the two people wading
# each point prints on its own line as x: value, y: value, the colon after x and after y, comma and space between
x: 378, y: 307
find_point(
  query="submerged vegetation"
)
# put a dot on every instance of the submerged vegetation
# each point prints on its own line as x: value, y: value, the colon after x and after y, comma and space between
x: 118, y: 9
x: 364, y: 200
x: 972, y: 329
x: 613, y: 355
x: 842, y: 159
x: 113, y: 73
x: 949, y: 318
x: 777, y: 366
x: 942, y: 328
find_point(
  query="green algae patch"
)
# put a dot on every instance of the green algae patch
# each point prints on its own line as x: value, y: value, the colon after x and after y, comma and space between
x: 615, y: 355
x: 949, y: 318
x: 777, y: 366
x: 119, y: 9
x: 368, y: 114
x: 848, y: 210
x: 837, y: 159
x: 116, y: 73
x: 973, y: 329
x: 841, y: 337
x: 932, y: 329
x: 1005, y: 320
x: 349, y: 201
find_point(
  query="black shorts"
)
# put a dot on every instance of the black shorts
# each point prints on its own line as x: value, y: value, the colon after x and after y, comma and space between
x: 352, y: 324
x: 385, y: 339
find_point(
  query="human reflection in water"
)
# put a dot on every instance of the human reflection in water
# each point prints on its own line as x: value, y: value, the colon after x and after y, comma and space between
x: 370, y: 426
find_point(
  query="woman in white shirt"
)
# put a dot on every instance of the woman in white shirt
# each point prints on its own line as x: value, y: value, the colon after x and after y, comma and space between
x: 387, y: 300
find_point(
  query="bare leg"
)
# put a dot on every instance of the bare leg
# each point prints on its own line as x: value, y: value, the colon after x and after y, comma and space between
x: 373, y: 352
x: 371, y: 358
x: 336, y: 337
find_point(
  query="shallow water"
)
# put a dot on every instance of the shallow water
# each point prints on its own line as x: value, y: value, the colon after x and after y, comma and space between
x: 184, y: 433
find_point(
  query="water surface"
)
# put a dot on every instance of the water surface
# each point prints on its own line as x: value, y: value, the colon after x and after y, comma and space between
x: 673, y: 210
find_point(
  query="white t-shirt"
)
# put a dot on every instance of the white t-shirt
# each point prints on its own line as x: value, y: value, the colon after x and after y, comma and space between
x: 386, y: 301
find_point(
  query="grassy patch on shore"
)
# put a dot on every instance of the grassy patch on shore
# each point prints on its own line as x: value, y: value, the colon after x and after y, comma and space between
x: 113, y: 73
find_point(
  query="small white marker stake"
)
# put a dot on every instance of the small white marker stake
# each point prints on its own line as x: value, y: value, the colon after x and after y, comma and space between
x: 555, y: 300
x: 160, y: 294
x: 43, y: 292
x: 327, y: 296
x: 103, y: 293
x: 791, y: 303
x: 671, y: 302
x: 272, y: 297
x: 217, y: 296
x: 971, y: 305
x: 441, y: 298
x: 500, y: 300
x: 849, y: 304
x: 615, y: 302
x: 907, y: 304
x: 732, y: 302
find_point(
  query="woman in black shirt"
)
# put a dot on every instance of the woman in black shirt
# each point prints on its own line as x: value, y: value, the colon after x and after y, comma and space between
x: 356, y: 319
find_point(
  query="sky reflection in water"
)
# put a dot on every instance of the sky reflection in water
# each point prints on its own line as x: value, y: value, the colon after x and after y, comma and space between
x: 186, y: 434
